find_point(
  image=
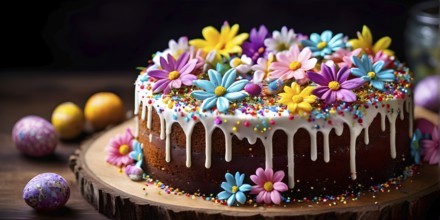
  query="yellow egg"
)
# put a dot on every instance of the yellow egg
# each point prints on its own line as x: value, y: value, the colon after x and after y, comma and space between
x: 68, y: 120
x: 103, y: 109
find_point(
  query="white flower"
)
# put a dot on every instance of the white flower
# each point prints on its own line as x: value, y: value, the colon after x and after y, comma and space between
x: 262, y: 69
x: 281, y: 41
x: 242, y: 65
x: 177, y: 48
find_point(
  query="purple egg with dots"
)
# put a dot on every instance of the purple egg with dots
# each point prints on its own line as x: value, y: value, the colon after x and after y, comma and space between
x: 34, y: 136
x: 46, y: 192
x: 253, y: 89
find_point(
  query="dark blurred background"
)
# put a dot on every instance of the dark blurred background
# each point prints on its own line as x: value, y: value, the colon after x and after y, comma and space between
x: 104, y: 35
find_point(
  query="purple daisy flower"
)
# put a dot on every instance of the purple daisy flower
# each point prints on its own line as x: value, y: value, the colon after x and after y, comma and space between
x: 334, y: 85
x: 255, y: 48
x: 173, y: 73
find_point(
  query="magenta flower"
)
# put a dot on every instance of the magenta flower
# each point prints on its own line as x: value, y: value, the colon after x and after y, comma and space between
x: 119, y: 149
x: 292, y: 64
x: 268, y: 186
x: 334, y: 85
x: 173, y: 73
x: 430, y: 147
x: 255, y: 48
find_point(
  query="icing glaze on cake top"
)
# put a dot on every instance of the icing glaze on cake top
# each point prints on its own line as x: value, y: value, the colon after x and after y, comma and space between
x: 252, y: 84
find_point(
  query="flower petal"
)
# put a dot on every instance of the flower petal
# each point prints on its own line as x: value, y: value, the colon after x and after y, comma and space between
x: 346, y: 95
x: 164, y: 64
x: 280, y: 186
x: 326, y: 36
x: 267, y: 197
x: 205, y: 85
x: 269, y: 174
x: 158, y: 74
x: 257, y: 180
x: 223, y: 195
x: 201, y: 95
x: 382, y: 44
x: 377, y: 84
x: 237, y: 85
x: 209, y: 103
x: 275, y: 197
x: 320, y: 79
x: 230, y: 179
x: 222, y: 104
x: 245, y: 187
x: 343, y: 74
x: 231, y: 200
x: 241, y: 198
x: 215, y: 77
x: 228, y: 78
x: 227, y: 187
x: 278, y: 176
x: 352, y: 83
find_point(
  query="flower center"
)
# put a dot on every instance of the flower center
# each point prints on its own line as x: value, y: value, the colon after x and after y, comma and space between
x: 371, y: 74
x: 294, y: 65
x: 219, y: 91
x: 321, y: 44
x: 333, y: 85
x: 268, y: 186
x: 123, y: 149
x: 173, y: 75
x: 297, y: 98
x: 236, y: 62
x: 234, y: 189
x: 260, y: 50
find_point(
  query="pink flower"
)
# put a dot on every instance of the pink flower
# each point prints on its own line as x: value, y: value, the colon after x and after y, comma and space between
x: 342, y: 57
x: 292, y: 64
x: 262, y: 68
x: 268, y: 186
x: 430, y: 147
x: 119, y: 149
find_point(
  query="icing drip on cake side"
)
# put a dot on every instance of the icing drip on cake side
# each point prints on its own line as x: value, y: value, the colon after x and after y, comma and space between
x: 232, y: 126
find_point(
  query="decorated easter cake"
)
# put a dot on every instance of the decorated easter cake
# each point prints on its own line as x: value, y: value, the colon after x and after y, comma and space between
x: 270, y: 116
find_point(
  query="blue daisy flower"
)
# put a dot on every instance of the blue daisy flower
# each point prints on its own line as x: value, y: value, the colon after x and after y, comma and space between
x: 325, y: 43
x: 374, y: 73
x: 137, y: 153
x: 234, y: 189
x: 220, y: 90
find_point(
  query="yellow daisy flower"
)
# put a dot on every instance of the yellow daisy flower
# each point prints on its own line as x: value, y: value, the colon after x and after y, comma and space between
x: 365, y: 41
x: 297, y: 101
x: 224, y: 43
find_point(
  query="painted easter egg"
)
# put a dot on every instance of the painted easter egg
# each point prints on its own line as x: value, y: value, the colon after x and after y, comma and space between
x: 104, y: 109
x: 426, y: 93
x: 68, y: 120
x: 34, y: 136
x: 46, y: 191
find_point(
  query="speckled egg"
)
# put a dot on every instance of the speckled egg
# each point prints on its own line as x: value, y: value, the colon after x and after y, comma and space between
x: 34, y: 136
x: 46, y: 191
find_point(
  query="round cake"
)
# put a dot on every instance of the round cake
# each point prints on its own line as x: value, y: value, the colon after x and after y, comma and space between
x: 274, y: 116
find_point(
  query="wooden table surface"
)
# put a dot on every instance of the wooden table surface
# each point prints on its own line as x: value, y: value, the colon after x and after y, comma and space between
x: 38, y: 93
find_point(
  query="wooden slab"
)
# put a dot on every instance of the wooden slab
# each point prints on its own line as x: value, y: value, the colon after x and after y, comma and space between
x: 113, y: 194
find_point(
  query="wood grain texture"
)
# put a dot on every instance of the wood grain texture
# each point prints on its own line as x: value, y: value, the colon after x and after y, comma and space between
x: 114, y: 195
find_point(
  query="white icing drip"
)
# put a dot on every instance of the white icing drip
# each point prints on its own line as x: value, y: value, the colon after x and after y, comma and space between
x: 366, y: 135
x: 281, y: 122
x: 290, y: 160
x: 410, y: 109
x: 326, y: 146
x: 149, y: 116
x: 144, y: 110
x: 353, y: 137
x: 268, y: 149
x: 382, y: 121
x: 136, y: 101
x: 162, y: 128
x: 313, y: 146
x: 228, y: 147
x: 136, y: 126
x: 150, y: 137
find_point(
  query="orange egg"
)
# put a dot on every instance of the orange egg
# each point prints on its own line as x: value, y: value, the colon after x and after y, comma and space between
x: 103, y: 109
